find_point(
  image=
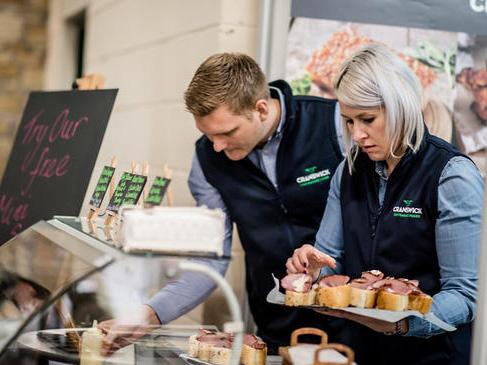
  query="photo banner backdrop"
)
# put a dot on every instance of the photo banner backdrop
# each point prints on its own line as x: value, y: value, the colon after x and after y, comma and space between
x: 52, y: 158
x: 443, y: 41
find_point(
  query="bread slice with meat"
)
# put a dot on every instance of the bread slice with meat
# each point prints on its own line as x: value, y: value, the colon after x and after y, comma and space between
x: 254, y: 351
x: 299, y: 290
x: 220, y: 355
x: 393, y: 294
x: 333, y: 291
x: 420, y: 302
x: 295, y: 299
x: 253, y: 356
x: 362, y: 298
x: 392, y: 301
x: 202, y: 344
x: 216, y: 348
x: 362, y: 293
x: 193, y: 346
x: 204, y: 350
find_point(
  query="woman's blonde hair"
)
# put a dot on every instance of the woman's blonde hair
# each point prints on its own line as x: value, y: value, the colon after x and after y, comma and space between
x: 375, y: 77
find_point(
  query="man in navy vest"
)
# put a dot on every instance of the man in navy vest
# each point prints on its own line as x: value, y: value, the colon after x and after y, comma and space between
x: 266, y: 159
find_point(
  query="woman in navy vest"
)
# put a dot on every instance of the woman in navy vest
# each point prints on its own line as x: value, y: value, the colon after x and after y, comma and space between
x: 393, y: 163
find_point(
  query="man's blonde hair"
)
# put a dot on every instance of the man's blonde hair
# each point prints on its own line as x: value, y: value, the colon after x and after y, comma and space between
x: 231, y: 79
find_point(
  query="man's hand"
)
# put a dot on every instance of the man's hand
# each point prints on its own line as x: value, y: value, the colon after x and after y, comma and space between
x: 309, y: 260
x: 124, y: 331
x: 377, y: 325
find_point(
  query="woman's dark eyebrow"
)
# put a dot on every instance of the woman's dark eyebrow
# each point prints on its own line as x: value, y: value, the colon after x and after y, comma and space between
x: 361, y: 115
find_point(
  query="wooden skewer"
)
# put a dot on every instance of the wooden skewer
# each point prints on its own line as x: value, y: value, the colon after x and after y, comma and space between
x: 112, y: 183
x: 169, y: 193
x: 145, y: 172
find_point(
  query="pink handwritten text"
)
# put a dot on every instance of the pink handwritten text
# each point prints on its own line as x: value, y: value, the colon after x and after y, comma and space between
x: 38, y: 161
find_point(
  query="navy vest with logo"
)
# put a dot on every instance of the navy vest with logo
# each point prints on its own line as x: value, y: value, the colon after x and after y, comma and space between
x: 399, y: 240
x: 273, y: 222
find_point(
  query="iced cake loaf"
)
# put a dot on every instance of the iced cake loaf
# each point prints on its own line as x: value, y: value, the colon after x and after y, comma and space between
x: 167, y: 229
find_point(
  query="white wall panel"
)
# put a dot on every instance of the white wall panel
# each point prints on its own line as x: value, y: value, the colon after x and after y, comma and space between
x: 240, y: 12
x: 157, y: 73
x: 132, y: 25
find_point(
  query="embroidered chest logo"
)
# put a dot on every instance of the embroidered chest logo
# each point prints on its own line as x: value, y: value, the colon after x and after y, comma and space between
x: 407, y: 210
x: 313, y: 177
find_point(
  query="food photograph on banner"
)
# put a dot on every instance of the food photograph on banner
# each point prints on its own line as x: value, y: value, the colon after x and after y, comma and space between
x: 450, y: 66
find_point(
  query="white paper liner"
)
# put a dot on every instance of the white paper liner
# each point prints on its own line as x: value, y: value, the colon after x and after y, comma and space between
x: 276, y: 297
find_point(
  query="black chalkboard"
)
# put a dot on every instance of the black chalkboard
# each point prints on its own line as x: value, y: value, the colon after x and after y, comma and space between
x: 102, y: 186
x: 134, y: 189
x: 157, y: 191
x: 117, y: 197
x: 52, y: 158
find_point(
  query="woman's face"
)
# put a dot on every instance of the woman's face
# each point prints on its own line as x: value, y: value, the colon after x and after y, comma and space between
x: 367, y: 129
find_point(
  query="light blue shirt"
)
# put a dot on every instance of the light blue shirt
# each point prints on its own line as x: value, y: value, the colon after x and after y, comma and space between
x: 182, y: 295
x: 460, y: 192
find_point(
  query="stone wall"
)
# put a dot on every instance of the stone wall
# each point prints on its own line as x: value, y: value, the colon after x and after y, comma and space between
x: 22, y: 54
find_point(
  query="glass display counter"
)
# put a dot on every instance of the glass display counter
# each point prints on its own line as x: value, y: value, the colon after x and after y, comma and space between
x: 59, y: 276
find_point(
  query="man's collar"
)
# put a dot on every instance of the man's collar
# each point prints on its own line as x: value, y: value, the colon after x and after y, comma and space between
x: 277, y: 94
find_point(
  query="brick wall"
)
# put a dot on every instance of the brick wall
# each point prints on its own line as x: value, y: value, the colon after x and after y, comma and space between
x: 22, y: 54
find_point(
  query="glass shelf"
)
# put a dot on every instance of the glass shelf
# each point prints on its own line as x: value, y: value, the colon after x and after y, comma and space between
x: 63, y: 274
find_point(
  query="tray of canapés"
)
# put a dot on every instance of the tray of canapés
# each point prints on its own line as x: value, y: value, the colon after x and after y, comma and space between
x: 372, y: 295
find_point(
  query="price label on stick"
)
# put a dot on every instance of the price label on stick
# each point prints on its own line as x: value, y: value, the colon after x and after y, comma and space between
x: 102, y: 186
x: 122, y: 186
x: 134, y: 189
x: 157, y: 191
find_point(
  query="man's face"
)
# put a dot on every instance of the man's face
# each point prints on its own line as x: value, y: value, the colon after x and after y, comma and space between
x: 235, y: 135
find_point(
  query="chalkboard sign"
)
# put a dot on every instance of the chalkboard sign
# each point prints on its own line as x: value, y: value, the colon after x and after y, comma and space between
x: 157, y: 191
x: 122, y: 186
x: 134, y: 189
x: 102, y: 186
x: 52, y: 158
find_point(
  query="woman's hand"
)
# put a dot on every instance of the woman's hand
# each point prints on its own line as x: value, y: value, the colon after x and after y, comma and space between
x: 387, y: 328
x: 309, y: 260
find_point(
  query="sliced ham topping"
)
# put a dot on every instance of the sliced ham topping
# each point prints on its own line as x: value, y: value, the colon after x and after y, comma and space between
x: 333, y: 280
x: 395, y: 286
x: 225, y: 340
x: 222, y: 343
x: 361, y: 283
x: 373, y: 275
x: 368, y: 278
x: 413, y: 285
x: 381, y: 283
x: 300, y: 283
x: 254, y: 342
x: 399, y: 287
x: 214, y: 337
x: 203, y: 332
